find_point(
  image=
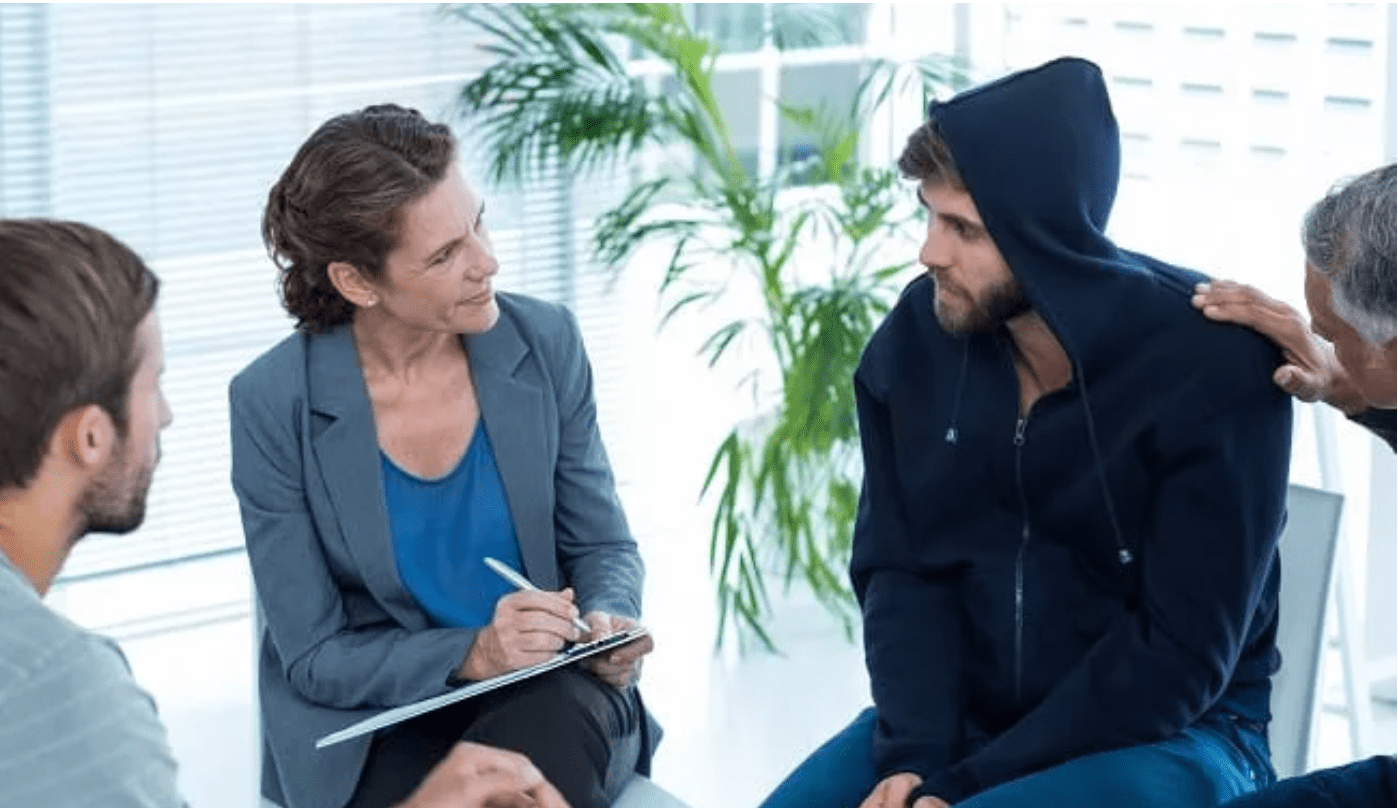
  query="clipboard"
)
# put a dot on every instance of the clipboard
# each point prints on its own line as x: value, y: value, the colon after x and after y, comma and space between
x: 393, y: 716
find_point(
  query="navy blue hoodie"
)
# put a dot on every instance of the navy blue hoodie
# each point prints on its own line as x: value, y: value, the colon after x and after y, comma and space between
x: 1103, y: 572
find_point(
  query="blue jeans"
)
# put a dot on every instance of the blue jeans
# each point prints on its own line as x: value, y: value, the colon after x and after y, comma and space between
x: 1209, y: 763
x: 1364, y: 784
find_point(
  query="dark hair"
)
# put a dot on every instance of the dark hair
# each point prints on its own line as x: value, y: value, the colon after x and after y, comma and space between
x: 339, y: 200
x: 71, y: 298
x: 928, y: 157
x: 1349, y: 237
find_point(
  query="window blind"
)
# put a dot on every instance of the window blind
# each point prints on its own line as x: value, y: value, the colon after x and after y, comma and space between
x: 166, y: 125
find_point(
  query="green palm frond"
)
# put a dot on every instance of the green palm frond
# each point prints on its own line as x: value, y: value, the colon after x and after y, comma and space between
x: 930, y: 77
x: 560, y: 94
x: 811, y: 25
x: 557, y: 89
x: 624, y: 228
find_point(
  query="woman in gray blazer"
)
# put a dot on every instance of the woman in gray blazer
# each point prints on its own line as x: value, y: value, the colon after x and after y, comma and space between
x: 415, y: 423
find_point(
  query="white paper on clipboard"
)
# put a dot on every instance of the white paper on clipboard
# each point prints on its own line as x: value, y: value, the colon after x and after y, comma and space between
x: 388, y: 718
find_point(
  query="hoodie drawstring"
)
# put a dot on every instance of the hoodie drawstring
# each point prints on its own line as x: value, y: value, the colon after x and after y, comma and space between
x: 960, y: 389
x: 1123, y: 553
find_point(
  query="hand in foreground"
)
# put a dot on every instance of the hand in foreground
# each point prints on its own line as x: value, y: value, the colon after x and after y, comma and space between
x: 893, y: 792
x: 528, y: 628
x: 618, y: 667
x: 474, y: 776
x: 1311, y: 372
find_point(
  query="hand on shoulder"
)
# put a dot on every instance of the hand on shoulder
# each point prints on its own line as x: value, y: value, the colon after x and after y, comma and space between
x: 1311, y: 372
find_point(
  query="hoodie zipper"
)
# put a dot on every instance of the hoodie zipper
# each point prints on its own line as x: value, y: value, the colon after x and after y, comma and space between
x: 1019, y: 557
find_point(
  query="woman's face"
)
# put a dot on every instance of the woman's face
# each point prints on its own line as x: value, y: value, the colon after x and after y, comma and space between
x: 438, y: 278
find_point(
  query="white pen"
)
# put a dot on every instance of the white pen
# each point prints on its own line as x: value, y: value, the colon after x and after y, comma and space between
x: 521, y: 582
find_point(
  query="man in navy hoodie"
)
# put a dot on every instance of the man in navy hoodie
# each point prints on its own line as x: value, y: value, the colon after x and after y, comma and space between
x: 1066, y: 543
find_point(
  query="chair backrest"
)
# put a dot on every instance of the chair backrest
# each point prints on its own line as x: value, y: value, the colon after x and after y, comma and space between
x: 642, y: 793
x: 1307, y: 559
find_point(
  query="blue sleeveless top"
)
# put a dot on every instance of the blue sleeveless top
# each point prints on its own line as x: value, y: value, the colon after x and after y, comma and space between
x: 443, y: 528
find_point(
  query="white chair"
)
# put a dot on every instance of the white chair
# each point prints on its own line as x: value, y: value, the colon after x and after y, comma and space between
x: 1307, y: 559
x: 640, y: 792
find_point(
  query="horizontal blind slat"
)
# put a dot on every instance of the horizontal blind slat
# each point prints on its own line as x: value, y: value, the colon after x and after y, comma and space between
x: 166, y: 124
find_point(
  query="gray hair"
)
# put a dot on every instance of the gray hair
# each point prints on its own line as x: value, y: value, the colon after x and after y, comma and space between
x: 1349, y: 238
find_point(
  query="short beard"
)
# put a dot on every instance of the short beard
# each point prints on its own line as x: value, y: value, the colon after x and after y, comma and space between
x: 1002, y: 303
x: 115, y: 502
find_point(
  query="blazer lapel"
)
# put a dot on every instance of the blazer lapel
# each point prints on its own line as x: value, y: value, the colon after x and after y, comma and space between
x: 348, y: 454
x: 512, y: 407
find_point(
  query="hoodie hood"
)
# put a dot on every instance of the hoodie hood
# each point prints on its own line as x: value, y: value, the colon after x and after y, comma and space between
x: 1039, y: 152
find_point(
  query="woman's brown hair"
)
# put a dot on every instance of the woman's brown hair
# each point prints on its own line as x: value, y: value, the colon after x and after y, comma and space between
x: 339, y: 201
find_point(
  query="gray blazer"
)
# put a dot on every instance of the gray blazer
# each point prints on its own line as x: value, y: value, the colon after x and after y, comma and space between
x: 344, y: 638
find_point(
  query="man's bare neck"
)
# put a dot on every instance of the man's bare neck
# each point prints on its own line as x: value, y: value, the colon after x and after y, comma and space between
x: 1042, y: 364
x: 32, y: 536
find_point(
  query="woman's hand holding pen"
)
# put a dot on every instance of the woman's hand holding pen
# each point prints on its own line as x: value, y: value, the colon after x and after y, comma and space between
x: 528, y: 627
x: 620, y: 667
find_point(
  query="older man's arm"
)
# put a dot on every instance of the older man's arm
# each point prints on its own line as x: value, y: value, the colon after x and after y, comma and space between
x: 1311, y: 371
x: 1383, y: 423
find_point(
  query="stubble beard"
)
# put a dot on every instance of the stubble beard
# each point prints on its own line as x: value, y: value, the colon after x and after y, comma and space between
x: 1002, y: 302
x: 115, y: 502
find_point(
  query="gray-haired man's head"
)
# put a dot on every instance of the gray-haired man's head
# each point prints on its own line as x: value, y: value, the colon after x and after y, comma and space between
x: 1349, y: 238
x: 1350, y: 288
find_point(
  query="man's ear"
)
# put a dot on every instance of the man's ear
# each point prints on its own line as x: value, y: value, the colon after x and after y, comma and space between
x: 352, y: 284
x: 86, y: 437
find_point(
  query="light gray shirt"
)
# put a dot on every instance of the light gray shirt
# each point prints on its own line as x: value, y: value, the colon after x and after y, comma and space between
x: 75, y: 728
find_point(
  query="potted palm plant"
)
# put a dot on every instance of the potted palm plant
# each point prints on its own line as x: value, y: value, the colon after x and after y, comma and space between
x: 561, y: 93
